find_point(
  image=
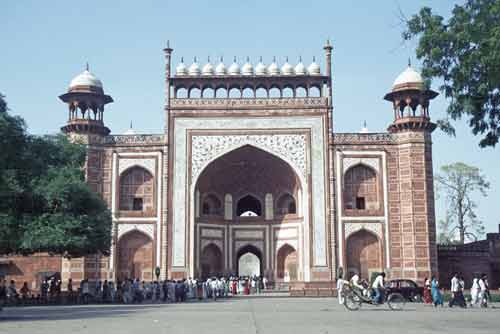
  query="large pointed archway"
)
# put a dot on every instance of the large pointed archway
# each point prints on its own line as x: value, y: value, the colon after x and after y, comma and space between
x: 252, y: 182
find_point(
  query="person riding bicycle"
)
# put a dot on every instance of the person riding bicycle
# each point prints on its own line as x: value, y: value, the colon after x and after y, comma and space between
x: 379, y: 288
x: 355, y: 282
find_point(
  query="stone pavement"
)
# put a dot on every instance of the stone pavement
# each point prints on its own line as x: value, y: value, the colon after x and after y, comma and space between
x: 247, y: 315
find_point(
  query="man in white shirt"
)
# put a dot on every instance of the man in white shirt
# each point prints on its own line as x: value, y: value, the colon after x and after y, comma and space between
x: 379, y: 288
x: 483, y: 291
x: 456, y: 292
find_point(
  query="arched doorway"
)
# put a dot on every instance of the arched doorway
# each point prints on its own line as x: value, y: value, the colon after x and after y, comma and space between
x: 135, y: 256
x: 211, y: 261
x: 287, y: 263
x: 364, y: 254
x: 249, y: 261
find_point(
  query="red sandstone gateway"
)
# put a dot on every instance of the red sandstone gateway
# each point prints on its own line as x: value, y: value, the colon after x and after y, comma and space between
x: 249, y: 176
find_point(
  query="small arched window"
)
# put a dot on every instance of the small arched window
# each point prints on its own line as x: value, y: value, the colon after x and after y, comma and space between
x: 249, y: 206
x: 286, y: 205
x: 137, y: 190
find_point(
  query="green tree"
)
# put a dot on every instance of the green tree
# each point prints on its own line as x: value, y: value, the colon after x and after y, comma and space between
x: 46, y: 205
x: 464, y: 52
x: 458, y: 183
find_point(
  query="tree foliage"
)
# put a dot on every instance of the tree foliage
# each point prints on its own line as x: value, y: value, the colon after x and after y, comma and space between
x: 459, y: 183
x: 464, y: 52
x: 45, y: 203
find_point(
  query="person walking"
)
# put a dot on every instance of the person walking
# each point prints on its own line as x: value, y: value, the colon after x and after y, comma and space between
x: 474, y: 292
x: 437, y: 296
x: 456, y: 292
x: 483, y: 291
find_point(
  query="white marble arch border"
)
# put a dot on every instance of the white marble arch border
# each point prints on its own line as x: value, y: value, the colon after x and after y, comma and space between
x: 148, y: 163
x: 147, y: 229
x: 317, y: 154
x: 375, y: 228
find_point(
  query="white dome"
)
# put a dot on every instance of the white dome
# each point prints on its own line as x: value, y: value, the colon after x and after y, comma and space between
x: 273, y: 68
x: 130, y: 132
x: 408, y: 76
x: 260, y: 69
x: 287, y: 69
x: 85, y: 79
x: 181, y: 69
x: 300, y: 69
x: 194, y: 69
x: 247, y: 68
x: 220, y: 69
x: 314, y: 69
x: 234, y: 69
x: 208, y: 69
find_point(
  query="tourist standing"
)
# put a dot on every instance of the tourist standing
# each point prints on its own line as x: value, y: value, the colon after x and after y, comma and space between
x: 264, y: 282
x: 437, y: 296
x: 340, y: 289
x: 427, y: 291
x: 378, y: 287
x: 474, y: 292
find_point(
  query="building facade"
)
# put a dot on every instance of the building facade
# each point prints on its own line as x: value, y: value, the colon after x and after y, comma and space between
x: 249, y: 177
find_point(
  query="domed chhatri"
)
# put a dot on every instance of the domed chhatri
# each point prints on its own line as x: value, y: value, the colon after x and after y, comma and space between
x: 208, y: 69
x: 181, y: 69
x: 300, y: 69
x: 86, y: 100
x: 220, y: 69
x: 194, y: 69
x: 287, y: 69
x: 260, y: 69
x: 273, y: 68
x: 234, y: 69
x: 86, y: 82
x: 247, y: 68
x: 314, y: 68
x: 408, y: 79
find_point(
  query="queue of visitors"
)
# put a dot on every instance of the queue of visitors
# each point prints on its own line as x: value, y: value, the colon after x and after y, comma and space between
x: 131, y: 291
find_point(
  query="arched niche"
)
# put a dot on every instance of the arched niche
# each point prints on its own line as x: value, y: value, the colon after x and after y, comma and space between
x: 363, y: 254
x: 361, y: 188
x: 211, y: 261
x: 135, y: 256
x: 286, y: 204
x: 211, y: 205
x: 249, y: 206
x: 137, y: 191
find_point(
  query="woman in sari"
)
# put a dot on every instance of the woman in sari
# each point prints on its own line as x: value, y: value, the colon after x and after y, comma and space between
x: 427, y: 291
x: 437, y: 296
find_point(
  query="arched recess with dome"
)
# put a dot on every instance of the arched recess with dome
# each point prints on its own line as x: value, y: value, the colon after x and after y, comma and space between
x: 241, y: 199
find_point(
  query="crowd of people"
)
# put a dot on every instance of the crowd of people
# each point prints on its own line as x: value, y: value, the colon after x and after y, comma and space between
x: 130, y: 290
x: 479, y: 292
x: 432, y: 292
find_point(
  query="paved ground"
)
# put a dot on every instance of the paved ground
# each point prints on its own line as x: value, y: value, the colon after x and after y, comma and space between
x: 247, y: 315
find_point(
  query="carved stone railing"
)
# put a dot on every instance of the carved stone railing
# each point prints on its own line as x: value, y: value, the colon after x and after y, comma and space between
x: 135, y: 139
x: 249, y: 103
x: 363, y: 138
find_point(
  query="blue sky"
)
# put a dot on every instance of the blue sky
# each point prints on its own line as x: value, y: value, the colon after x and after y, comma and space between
x: 46, y: 43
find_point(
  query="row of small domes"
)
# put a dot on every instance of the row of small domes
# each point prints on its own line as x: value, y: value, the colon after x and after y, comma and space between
x: 247, y: 69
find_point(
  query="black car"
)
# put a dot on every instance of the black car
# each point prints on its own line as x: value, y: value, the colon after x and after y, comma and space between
x: 408, y: 288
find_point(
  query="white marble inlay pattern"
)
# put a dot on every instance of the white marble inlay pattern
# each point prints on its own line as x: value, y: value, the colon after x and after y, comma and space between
x: 147, y: 229
x: 348, y: 162
x: 249, y: 234
x: 281, y: 243
x: 290, y: 147
x: 146, y: 163
x: 211, y: 233
x: 257, y: 244
x: 285, y: 233
x: 205, y: 243
x: 351, y: 228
